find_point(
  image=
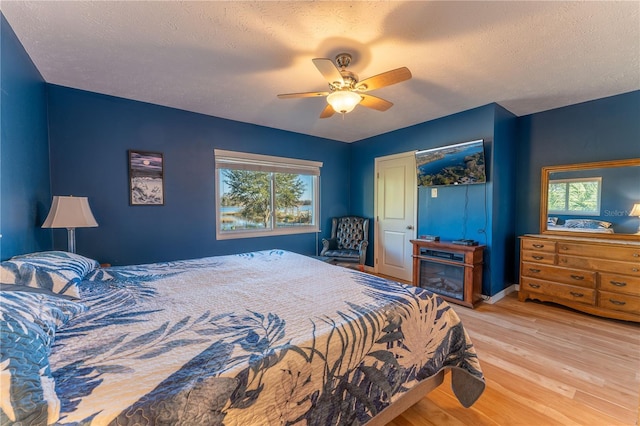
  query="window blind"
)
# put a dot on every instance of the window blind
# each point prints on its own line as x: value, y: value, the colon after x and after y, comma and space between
x: 265, y: 163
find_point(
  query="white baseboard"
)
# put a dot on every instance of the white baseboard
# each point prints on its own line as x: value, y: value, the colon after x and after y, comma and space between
x: 493, y: 299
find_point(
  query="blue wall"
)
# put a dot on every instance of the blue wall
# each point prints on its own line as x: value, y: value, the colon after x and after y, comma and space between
x: 90, y: 135
x: 502, y: 220
x: 462, y: 127
x: 600, y: 130
x: 24, y: 151
x: 458, y: 211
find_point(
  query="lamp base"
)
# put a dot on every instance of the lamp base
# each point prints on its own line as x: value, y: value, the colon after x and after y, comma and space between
x: 71, y: 240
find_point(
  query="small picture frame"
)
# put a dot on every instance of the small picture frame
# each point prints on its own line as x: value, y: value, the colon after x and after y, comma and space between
x: 146, y: 178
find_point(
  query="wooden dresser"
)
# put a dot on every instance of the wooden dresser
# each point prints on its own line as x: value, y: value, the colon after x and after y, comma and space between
x: 601, y: 277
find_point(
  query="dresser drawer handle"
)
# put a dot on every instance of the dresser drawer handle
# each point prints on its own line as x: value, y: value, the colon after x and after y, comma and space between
x: 534, y: 270
x: 636, y: 254
x: 635, y: 269
x: 538, y: 245
x: 577, y: 277
x: 617, y: 302
x: 574, y: 294
x: 565, y: 248
x: 534, y: 285
x: 618, y: 283
x: 538, y: 257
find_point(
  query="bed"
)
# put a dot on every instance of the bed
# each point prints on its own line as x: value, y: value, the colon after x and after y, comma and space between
x: 269, y: 337
x: 580, y: 225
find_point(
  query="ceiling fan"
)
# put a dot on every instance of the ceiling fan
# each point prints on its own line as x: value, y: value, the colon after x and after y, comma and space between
x: 346, y: 91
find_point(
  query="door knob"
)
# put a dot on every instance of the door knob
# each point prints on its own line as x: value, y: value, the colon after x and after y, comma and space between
x: 409, y: 226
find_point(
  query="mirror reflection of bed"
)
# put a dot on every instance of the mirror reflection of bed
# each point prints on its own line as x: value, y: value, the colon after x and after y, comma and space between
x: 591, y: 199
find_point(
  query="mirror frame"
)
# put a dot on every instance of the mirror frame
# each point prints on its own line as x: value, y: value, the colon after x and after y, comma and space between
x: 544, y: 186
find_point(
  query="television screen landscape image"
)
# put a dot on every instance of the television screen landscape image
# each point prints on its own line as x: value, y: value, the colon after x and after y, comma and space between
x: 460, y: 164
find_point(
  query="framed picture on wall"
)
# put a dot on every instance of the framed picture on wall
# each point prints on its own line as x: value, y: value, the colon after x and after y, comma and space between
x: 146, y: 178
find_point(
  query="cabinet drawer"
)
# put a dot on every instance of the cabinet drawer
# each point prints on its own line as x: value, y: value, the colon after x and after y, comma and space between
x: 564, y: 275
x: 538, y: 257
x: 538, y: 245
x: 620, y: 283
x: 626, y: 268
x: 567, y: 292
x: 619, y: 302
x: 625, y: 254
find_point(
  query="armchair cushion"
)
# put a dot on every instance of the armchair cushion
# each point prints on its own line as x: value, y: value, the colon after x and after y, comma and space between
x: 347, y: 254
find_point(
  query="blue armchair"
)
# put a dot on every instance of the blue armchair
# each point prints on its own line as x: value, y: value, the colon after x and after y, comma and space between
x: 349, y: 240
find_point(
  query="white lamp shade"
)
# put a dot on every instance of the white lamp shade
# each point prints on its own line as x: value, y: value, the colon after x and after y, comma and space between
x: 343, y: 101
x: 635, y: 210
x: 70, y: 212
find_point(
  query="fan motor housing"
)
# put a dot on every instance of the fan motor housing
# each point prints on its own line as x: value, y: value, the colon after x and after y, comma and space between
x: 349, y: 78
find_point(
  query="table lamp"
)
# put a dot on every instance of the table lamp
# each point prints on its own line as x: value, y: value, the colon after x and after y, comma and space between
x: 71, y: 213
x: 635, y: 211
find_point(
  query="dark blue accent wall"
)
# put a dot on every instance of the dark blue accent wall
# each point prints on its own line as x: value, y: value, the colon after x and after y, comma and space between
x: 502, y: 220
x: 458, y: 211
x: 462, y: 127
x: 90, y: 135
x: 24, y: 151
x: 601, y: 130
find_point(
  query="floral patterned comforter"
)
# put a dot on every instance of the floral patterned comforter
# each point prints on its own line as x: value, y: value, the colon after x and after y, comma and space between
x: 267, y: 337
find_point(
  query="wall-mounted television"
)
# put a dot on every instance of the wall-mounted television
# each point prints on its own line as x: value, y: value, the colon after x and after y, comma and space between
x: 460, y: 164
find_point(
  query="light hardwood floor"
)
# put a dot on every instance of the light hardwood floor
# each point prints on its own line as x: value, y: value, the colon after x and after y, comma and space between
x: 543, y: 365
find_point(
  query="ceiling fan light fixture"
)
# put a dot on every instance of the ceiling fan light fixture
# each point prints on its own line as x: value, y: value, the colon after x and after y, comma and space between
x: 343, y: 101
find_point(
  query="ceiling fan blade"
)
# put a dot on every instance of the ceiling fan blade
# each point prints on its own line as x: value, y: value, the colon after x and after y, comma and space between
x: 375, y: 102
x: 329, y: 71
x: 385, y: 79
x: 302, y: 95
x: 327, y: 112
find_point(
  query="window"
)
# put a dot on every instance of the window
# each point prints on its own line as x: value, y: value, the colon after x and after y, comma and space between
x: 260, y: 195
x: 575, y: 196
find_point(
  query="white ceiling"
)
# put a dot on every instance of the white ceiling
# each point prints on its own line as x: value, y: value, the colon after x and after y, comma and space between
x: 230, y: 59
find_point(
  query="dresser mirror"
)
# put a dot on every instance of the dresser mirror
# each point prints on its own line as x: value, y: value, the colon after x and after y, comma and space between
x: 591, y: 200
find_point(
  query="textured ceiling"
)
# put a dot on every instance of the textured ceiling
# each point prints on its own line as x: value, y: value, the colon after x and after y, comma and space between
x: 231, y: 59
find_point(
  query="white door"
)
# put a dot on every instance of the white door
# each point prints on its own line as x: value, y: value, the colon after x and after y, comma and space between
x: 396, y: 194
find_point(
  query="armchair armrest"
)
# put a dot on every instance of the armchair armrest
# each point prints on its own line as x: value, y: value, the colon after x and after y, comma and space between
x: 329, y: 244
x: 362, y: 249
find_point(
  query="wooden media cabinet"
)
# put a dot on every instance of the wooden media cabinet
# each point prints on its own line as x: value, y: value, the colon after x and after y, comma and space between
x: 452, y: 271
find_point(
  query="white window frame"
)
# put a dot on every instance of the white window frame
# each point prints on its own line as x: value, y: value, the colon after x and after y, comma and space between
x: 265, y: 163
x: 568, y: 210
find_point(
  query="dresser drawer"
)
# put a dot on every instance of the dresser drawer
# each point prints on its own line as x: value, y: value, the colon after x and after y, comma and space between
x: 626, y: 268
x: 564, y: 275
x: 538, y: 245
x: 562, y: 291
x: 538, y: 257
x: 620, y: 283
x: 619, y: 302
x: 625, y: 254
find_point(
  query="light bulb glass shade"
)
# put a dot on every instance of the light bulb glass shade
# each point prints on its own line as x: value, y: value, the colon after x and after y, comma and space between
x: 70, y: 212
x: 635, y: 210
x: 343, y: 101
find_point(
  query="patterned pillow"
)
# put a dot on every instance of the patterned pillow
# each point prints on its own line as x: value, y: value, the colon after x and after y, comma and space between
x: 56, y: 271
x: 28, y: 324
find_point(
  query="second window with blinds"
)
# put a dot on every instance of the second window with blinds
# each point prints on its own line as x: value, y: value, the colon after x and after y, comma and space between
x: 261, y: 195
